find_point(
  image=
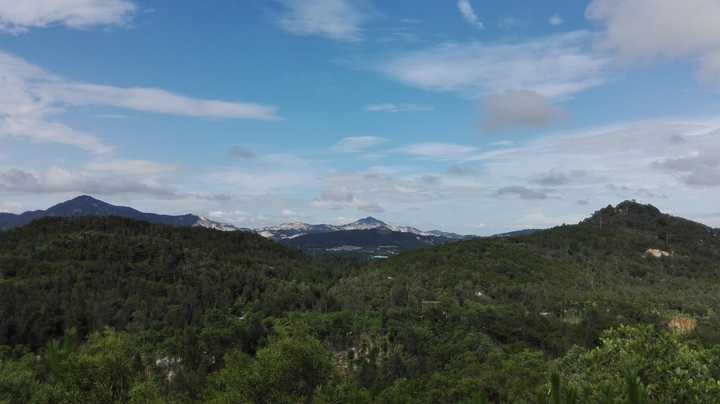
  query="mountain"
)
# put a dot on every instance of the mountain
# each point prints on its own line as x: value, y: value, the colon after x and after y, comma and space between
x: 290, y: 230
x: 367, y: 223
x: 89, y: 206
x: 294, y: 230
x: 367, y: 237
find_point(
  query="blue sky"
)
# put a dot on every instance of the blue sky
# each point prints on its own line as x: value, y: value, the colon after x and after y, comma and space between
x: 471, y: 116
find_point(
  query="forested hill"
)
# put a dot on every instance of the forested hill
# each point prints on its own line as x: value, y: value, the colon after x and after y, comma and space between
x: 90, y: 273
x: 152, y: 313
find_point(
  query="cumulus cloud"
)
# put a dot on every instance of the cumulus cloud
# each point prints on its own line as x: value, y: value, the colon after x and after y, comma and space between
x: 556, y: 66
x: 468, y: 13
x: 394, y: 108
x: 340, y: 20
x: 650, y: 29
x: 19, y: 16
x: 519, y: 109
x: 356, y: 144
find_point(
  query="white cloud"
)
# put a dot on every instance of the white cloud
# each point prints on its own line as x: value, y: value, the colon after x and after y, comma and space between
x: 556, y: 20
x: 262, y: 182
x: 669, y: 163
x: 36, y: 128
x: 154, y: 100
x: 31, y: 99
x: 519, y: 109
x: 61, y: 180
x: 288, y: 213
x: 341, y: 197
x: 131, y: 167
x: 468, y: 13
x: 394, y: 108
x: 556, y: 66
x: 441, y: 151
x: 340, y: 20
x: 650, y: 29
x: 19, y: 16
x: 356, y: 144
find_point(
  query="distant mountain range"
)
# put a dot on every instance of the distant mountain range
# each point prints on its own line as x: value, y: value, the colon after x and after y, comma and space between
x: 366, y: 237
x: 294, y: 230
x: 89, y: 206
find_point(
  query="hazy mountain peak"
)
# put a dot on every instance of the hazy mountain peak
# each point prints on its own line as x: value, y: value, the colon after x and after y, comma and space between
x: 366, y: 223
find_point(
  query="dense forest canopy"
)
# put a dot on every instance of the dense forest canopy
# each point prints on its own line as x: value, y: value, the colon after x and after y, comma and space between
x: 622, y: 307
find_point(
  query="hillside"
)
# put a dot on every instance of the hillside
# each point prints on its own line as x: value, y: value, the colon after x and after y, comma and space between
x: 237, y: 318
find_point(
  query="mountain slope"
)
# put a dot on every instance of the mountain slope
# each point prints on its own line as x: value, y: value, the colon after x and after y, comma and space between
x: 89, y: 206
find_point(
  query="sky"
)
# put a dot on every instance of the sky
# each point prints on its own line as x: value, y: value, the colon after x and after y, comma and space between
x: 470, y: 116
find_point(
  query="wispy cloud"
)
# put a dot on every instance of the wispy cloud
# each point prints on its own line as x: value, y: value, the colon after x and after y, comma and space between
x: 468, y: 13
x: 356, y: 144
x: 154, y: 100
x: 555, y: 66
x: 441, y: 151
x: 36, y: 128
x: 31, y: 100
x: 131, y: 167
x: 61, y: 180
x: 340, y: 20
x: 19, y: 16
x: 393, y: 108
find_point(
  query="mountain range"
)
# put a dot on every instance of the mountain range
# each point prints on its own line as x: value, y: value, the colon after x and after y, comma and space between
x: 293, y: 230
x: 367, y: 237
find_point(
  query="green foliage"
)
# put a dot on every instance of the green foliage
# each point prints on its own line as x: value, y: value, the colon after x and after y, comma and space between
x: 672, y: 370
x: 111, y: 310
x: 289, y: 370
